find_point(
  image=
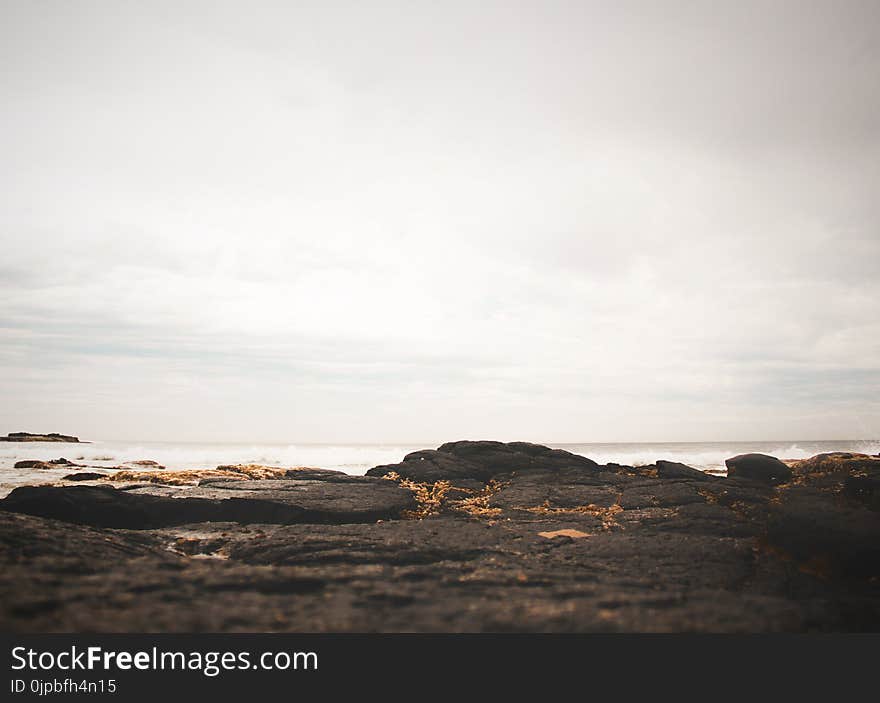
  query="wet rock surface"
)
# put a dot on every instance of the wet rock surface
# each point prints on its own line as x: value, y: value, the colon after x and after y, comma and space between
x: 542, y: 542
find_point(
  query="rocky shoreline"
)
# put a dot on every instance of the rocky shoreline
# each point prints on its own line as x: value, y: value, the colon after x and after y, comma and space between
x: 473, y: 536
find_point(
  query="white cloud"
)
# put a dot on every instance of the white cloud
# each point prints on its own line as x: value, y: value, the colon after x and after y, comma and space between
x: 565, y: 223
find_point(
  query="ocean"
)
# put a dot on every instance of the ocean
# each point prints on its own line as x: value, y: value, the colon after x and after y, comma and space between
x: 357, y: 458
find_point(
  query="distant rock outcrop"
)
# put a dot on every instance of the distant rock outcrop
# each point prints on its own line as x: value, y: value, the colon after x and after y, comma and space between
x: 52, y: 464
x: 28, y: 437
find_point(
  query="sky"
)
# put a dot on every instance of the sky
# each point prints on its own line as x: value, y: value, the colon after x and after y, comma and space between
x: 421, y: 221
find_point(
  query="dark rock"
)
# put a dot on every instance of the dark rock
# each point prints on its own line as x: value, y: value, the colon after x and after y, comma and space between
x: 37, y: 464
x: 301, y: 474
x: 143, y: 464
x: 444, y: 574
x: 824, y: 535
x: 838, y: 462
x: 525, y: 495
x: 28, y: 437
x: 501, y: 458
x: 429, y: 466
x: 672, y: 469
x: 628, y: 551
x: 856, y: 475
x: 34, y: 464
x: 83, y: 476
x: 647, y: 471
x: 865, y: 489
x: 482, y: 461
x: 99, y: 506
x: 282, y: 501
x: 705, y: 518
x: 747, y: 499
x: 758, y: 467
x: 661, y: 493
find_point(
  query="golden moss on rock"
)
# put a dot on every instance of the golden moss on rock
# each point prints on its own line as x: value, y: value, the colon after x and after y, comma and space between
x: 435, y: 498
x: 850, y: 463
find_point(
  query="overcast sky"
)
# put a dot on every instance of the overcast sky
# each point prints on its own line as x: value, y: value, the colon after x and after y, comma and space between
x: 405, y: 221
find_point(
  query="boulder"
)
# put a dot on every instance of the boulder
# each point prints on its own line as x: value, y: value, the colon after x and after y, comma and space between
x: 672, y: 469
x: 429, y: 466
x: 83, y: 476
x: 263, y: 501
x: 758, y: 467
x: 483, y: 460
x: 500, y: 457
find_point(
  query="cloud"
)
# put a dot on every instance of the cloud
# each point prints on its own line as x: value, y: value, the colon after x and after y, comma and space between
x: 558, y: 223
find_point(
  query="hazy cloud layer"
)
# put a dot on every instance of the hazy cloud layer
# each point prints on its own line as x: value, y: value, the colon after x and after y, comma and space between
x: 405, y: 221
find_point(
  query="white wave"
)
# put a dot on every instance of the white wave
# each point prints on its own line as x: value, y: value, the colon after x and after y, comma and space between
x: 711, y: 456
x: 354, y: 459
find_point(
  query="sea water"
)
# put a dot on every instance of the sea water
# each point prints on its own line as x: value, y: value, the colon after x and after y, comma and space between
x: 357, y: 458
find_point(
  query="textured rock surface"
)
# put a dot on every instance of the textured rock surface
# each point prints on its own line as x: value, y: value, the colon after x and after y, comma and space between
x: 672, y: 469
x: 855, y: 475
x: 534, y: 545
x: 758, y: 467
x: 482, y: 461
x: 352, y: 499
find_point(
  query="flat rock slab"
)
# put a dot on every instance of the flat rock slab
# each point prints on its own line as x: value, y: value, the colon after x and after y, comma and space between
x: 356, y: 499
